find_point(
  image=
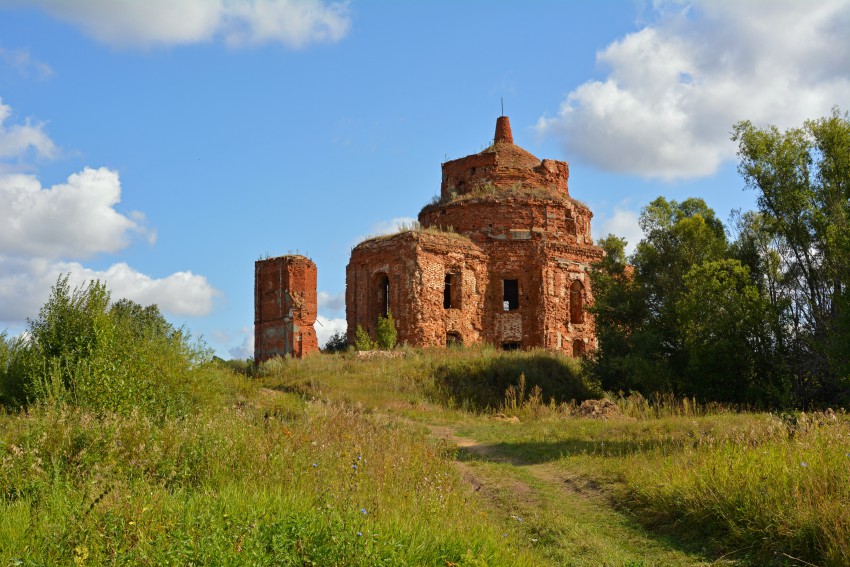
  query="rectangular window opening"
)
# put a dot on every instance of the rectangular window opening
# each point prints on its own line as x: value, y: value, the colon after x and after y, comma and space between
x: 510, y: 294
x: 510, y: 346
x: 451, y: 292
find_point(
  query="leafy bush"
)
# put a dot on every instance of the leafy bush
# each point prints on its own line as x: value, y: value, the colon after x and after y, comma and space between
x: 362, y: 340
x: 81, y: 351
x: 386, y: 331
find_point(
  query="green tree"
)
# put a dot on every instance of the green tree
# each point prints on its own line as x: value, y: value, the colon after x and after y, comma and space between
x: 802, y: 177
x: 620, y: 313
x: 81, y: 351
x: 338, y: 342
x: 726, y: 335
x: 641, y: 344
x: 141, y: 321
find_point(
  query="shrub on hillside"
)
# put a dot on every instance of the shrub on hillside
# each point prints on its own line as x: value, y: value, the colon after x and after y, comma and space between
x: 362, y: 340
x: 386, y: 331
x: 480, y: 382
x: 82, y: 351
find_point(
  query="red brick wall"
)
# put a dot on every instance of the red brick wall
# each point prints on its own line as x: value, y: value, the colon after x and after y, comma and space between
x: 514, y: 220
x: 416, y: 263
x: 284, y: 307
x: 510, y: 217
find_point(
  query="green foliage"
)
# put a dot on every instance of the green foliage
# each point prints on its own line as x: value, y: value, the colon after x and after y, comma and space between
x: 615, y: 253
x: 725, y: 330
x: 362, y: 340
x: 10, y: 359
x: 337, y: 343
x: 802, y: 177
x: 385, y: 335
x: 478, y: 383
x: 122, y: 358
x: 246, y: 367
x: 638, y: 326
x: 386, y: 331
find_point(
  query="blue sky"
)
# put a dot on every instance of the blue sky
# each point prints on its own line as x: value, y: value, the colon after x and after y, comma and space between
x: 165, y: 146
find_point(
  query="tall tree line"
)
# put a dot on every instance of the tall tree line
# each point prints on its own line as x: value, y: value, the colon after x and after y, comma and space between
x: 758, y: 312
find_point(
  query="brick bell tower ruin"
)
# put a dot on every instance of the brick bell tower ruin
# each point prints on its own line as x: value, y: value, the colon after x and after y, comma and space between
x: 502, y: 256
x: 284, y: 307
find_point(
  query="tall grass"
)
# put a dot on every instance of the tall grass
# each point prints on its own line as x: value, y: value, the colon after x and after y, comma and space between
x: 778, y: 488
x: 263, y: 481
x: 474, y: 378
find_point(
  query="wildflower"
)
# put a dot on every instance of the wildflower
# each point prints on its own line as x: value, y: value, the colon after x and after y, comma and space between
x: 354, y: 467
x: 803, y: 464
x: 315, y: 465
x: 363, y: 511
x: 359, y: 457
x: 359, y: 534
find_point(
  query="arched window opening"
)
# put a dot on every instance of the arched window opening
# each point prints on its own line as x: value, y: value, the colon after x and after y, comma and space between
x: 453, y: 339
x: 578, y: 348
x: 510, y: 346
x: 576, y: 302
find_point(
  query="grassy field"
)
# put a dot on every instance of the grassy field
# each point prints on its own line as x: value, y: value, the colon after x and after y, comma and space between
x: 458, y: 457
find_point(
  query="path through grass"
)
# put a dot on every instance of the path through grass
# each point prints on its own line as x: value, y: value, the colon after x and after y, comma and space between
x: 562, y: 514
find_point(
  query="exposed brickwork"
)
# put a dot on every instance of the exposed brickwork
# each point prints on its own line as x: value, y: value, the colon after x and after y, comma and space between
x: 503, y: 131
x: 510, y: 232
x: 416, y: 264
x: 284, y: 307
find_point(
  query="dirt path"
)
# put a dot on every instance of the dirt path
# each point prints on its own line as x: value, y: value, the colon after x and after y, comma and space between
x: 568, y: 517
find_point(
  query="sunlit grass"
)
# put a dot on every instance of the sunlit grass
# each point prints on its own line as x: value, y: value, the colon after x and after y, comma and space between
x: 776, y: 488
x: 267, y: 479
x: 320, y: 461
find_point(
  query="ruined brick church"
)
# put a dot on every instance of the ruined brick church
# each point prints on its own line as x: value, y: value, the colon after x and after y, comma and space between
x: 502, y: 257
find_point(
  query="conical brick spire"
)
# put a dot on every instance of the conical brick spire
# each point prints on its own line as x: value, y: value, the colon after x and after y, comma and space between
x: 503, y: 131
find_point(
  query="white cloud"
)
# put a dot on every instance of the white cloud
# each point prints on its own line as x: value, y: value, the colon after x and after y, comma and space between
x: 18, y: 139
x: 294, y: 23
x: 623, y: 223
x: 393, y: 225
x: 245, y: 349
x: 387, y: 227
x: 76, y: 219
x: 326, y: 327
x: 334, y: 303
x: 675, y: 88
x: 42, y: 228
x: 25, y: 286
x: 22, y: 63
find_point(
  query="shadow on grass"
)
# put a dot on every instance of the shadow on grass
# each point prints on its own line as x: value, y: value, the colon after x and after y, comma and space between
x: 532, y: 453
x: 478, y: 383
